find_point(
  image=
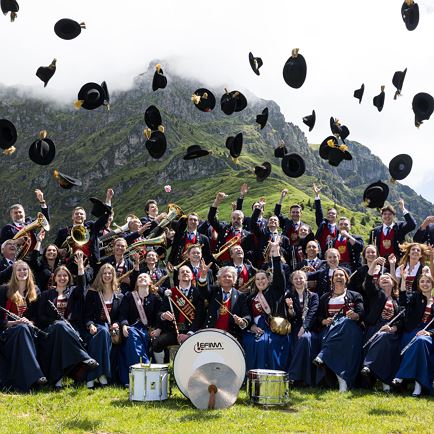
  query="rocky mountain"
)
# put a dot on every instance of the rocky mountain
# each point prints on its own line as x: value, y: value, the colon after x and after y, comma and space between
x: 107, y: 149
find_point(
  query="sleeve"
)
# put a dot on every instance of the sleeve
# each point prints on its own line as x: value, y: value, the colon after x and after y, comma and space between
x: 278, y: 285
x: 358, y: 305
x: 212, y: 218
x: 240, y: 201
x: 254, y: 224
x: 309, y: 321
x: 319, y: 216
x: 6, y: 275
x: 278, y: 213
x: 420, y: 236
x: 408, y: 225
x: 369, y: 286
x: 46, y: 313
x: 46, y: 212
x: 124, y: 309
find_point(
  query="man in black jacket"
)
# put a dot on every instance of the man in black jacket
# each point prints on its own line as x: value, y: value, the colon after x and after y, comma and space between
x: 291, y: 225
x: 390, y: 234
x: 425, y: 233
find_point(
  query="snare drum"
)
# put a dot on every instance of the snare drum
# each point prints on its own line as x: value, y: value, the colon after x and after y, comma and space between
x: 208, y: 346
x: 149, y: 382
x: 267, y: 386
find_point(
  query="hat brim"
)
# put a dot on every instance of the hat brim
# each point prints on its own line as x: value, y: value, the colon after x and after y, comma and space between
x: 378, y: 101
x: 67, y: 29
x: 294, y: 71
x: 8, y: 134
x: 196, y: 154
x: 358, y: 93
x: 253, y: 64
x: 293, y: 165
x: 262, y: 118
x: 262, y: 172
x: 153, y: 118
x: 45, y: 159
x: 208, y: 104
x: 156, y: 145
x: 400, y: 166
x: 94, y: 102
x: 375, y: 194
x: 159, y: 81
x: 67, y: 182
x: 310, y: 120
x: 99, y: 207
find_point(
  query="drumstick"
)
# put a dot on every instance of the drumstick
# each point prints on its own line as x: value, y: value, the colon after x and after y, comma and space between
x: 168, y: 294
x: 233, y: 316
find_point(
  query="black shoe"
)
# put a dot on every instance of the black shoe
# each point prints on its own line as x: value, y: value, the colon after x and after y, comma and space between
x: 366, y: 372
x: 42, y: 381
x: 91, y: 364
x: 317, y: 361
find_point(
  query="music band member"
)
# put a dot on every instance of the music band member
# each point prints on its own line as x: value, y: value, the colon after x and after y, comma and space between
x: 390, y: 234
x: 327, y: 227
x: 227, y: 232
x: 138, y: 317
x: 188, y: 313
x: 101, y: 316
x: 9, y: 251
x: 245, y: 271
x: 60, y: 313
x: 227, y: 307
x: 265, y: 345
x: 349, y: 246
x: 425, y: 232
x: 19, y: 220
x: 261, y: 221
x: 340, y: 313
x: 289, y: 225
x: 21, y: 370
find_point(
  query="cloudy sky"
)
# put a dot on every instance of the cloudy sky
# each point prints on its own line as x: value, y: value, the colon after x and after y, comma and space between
x: 345, y: 43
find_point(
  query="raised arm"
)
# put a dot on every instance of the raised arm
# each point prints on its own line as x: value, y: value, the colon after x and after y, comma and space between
x: 212, y: 213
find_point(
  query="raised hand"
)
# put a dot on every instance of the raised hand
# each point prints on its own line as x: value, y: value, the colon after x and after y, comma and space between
x: 244, y: 189
x: 39, y: 195
x: 316, y: 189
x: 203, y: 269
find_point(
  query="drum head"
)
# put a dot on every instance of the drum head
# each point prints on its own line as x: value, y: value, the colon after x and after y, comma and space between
x: 208, y: 346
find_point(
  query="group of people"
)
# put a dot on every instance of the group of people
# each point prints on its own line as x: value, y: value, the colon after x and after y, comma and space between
x: 317, y: 303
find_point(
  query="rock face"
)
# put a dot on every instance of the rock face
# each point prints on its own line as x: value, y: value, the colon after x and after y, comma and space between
x: 107, y: 148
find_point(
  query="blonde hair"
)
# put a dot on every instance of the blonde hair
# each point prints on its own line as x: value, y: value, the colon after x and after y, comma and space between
x: 98, y: 284
x: 13, y: 286
x: 405, y: 249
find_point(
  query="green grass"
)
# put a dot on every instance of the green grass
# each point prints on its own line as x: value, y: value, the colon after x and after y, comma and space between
x: 310, y: 410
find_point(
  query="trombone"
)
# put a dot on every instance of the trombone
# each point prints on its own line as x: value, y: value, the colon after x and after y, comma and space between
x: 225, y: 247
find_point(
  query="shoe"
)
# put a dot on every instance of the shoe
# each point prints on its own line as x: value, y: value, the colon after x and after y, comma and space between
x: 90, y: 384
x: 103, y: 380
x: 91, y: 364
x: 318, y: 361
x: 343, y: 387
x: 386, y: 387
x: 42, y: 381
x: 365, y: 371
x: 417, y: 390
x: 397, y: 382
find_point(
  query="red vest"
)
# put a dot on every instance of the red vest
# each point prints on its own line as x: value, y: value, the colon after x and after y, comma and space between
x: 386, y: 243
x: 187, y: 242
x: 292, y: 234
x: 342, y: 246
x: 226, y: 255
x: 244, y: 274
x: 222, y: 322
x: 325, y: 234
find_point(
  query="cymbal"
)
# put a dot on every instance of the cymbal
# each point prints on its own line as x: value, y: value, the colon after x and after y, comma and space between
x: 213, y: 374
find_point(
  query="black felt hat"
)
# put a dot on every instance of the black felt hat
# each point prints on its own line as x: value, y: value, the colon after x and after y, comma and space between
x: 398, y: 81
x: 46, y: 72
x: 8, y: 134
x: 295, y: 69
x: 263, y: 172
x: 423, y: 106
x: 378, y: 100
x: 159, y: 81
x: 400, y: 166
x: 43, y: 150
x: 195, y: 151
x: 68, y: 29
x: 293, y: 165
x: 232, y: 102
x: 358, y: 93
x: 153, y: 118
x: 235, y: 145
x: 255, y: 63
x: 66, y: 181
x: 280, y: 151
x: 11, y: 6
x: 262, y: 118
x: 339, y: 130
x: 106, y: 94
x: 156, y: 144
x: 410, y: 15
x: 91, y: 96
x: 99, y: 208
x: 310, y: 120
x: 203, y: 99
x: 375, y: 194
x: 333, y: 152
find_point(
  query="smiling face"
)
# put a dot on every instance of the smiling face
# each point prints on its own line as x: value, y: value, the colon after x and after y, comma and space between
x: 107, y: 275
x: 120, y: 247
x: 17, y: 214
x: 151, y: 258
x: 195, y: 255
x: 344, y: 225
x: 370, y: 253
x: 22, y: 272
x: 227, y: 279
x: 153, y: 209
x: 332, y: 258
x: 144, y: 279
x: 339, y: 279
x: 61, y: 278
x: 295, y: 213
x: 51, y: 252
x: 9, y: 251
x: 192, y: 222
x: 385, y: 282
x: 387, y: 217
x: 273, y: 223
x: 237, y: 253
x: 303, y: 231
x: 299, y: 280
x: 312, y: 249
x: 185, y: 275
x: 415, y: 252
x: 261, y: 281
x: 425, y: 284
x: 332, y: 215
x: 237, y: 218
x: 78, y: 216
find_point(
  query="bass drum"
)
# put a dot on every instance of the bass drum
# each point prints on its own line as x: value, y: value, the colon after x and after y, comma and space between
x: 208, y: 346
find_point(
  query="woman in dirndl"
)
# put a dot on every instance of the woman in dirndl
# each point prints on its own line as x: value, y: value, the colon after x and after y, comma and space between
x: 381, y: 356
x: 340, y: 314
x: 418, y: 359
x: 264, y: 348
x: 101, y: 312
x: 303, y: 307
x: 19, y: 367
x: 60, y: 310
x: 138, y: 319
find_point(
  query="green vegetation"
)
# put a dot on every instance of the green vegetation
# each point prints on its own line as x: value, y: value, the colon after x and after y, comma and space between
x: 310, y: 410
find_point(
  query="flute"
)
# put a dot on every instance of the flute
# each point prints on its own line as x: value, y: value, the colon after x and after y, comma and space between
x: 379, y: 331
x: 414, y: 338
x: 17, y: 318
x: 64, y: 319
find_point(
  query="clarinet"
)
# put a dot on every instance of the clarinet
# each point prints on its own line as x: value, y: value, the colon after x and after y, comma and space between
x: 414, y: 338
x: 62, y: 318
x: 17, y: 318
x: 339, y: 312
x: 388, y: 324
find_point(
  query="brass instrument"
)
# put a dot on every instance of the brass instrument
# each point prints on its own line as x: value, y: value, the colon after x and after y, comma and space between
x: 138, y: 245
x: 279, y: 325
x: 25, y: 232
x: 177, y: 267
x: 106, y: 241
x: 157, y: 284
x: 79, y: 237
x: 225, y: 247
x: 245, y: 285
x: 173, y: 212
x: 308, y: 269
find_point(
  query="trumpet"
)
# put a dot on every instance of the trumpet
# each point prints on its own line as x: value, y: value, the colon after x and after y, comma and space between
x: 26, y: 233
x: 225, y: 247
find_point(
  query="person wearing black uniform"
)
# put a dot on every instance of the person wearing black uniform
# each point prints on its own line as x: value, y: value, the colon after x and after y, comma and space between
x: 60, y: 314
x: 19, y: 366
x: 101, y: 317
x: 245, y: 270
x: 151, y: 267
x: 425, y: 232
x: 291, y: 225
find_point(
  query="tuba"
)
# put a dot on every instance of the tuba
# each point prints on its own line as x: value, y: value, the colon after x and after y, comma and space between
x: 27, y: 233
x: 79, y: 237
x: 173, y: 212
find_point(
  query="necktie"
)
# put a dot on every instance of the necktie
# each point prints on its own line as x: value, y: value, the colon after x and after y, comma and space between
x: 387, y: 230
x: 311, y: 262
x: 190, y: 235
x: 239, y: 268
x: 225, y: 296
x: 273, y: 237
x: 10, y: 262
